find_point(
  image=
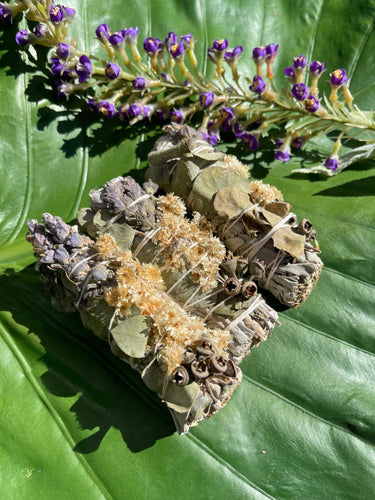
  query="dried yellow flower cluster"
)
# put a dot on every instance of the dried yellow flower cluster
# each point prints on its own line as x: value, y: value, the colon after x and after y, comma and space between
x: 264, y: 193
x: 188, y: 244
x: 141, y: 285
x: 232, y: 163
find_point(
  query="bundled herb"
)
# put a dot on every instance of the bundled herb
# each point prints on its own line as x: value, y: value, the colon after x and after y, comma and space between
x: 251, y: 219
x: 160, y: 288
x: 163, y: 81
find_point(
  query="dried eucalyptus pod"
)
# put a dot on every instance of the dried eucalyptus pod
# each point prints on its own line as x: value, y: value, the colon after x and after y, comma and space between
x: 150, y: 281
x: 250, y: 218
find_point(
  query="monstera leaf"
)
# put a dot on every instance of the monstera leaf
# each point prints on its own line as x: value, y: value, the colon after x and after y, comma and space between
x: 78, y: 423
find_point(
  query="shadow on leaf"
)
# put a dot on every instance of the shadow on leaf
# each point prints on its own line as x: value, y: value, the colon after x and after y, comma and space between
x: 360, y: 187
x: 111, y: 394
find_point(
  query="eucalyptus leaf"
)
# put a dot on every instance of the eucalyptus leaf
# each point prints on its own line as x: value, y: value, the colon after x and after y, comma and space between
x: 131, y: 335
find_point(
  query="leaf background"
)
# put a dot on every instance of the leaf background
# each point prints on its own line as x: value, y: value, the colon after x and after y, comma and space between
x: 77, y: 423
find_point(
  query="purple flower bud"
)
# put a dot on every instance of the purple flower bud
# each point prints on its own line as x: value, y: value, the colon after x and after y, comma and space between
x: 130, y: 35
x: 147, y: 111
x: 172, y: 38
x: 338, y: 77
x: 134, y: 110
x: 220, y: 45
x: 311, y: 104
x: 238, y: 130
x: 250, y: 140
x: 271, y: 52
x: 298, y: 142
x: 64, y: 89
x: 331, y: 163
x: 48, y: 257
x: 316, y: 68
x: 259, y: 53
x: 40, y: 30
x: 83, y: 69
x: 91, y: 104
x: 116, y: 39
x: 106, y: 109
x: 5, y: 15
x: 299, y: 91
x: 187, y: 40
x: 56, y: 13
x: 176, y: 49
x: 139, y: 83
x: 102, y: 31
x: 161, y: 114
x: 258, y: 86
x: 227, y: 113
x: 61, y: 254
x: 176, y: 116
x: 211, y: 55
x: 23, y: 38
x: 290, y: 73
x: 206, y: 99
x: 56, y: 66
x: 282, y: 155
x: 212, y: 138
x: 152, y: 45
x: 112, y: 71
x: 233, y: 56
x: 69, y: 14
x: 62, y: 51
x: 299, y: 62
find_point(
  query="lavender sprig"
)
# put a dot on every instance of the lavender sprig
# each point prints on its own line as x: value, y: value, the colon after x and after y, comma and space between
x: 166, y: 83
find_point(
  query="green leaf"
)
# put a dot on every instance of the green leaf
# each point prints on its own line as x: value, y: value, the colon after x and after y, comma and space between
x: 131, y: 335
x: 76, y: 420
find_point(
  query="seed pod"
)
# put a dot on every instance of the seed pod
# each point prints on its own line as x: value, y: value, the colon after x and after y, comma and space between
x: 292, y: 220
x: 206, y: 348
x: 219, y: 363
x: 304, y: 227
x: 180, y: 376
x: 199, y: 369
x: 249, y: 288
x: 231, y: 369
x: 232, y: 286
x: 188, y: 356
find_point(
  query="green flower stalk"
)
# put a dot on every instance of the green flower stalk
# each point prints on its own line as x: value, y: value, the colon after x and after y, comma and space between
x: 165, y: 83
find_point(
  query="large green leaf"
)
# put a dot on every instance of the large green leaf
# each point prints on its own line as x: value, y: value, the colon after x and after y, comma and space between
x: 78, y: 423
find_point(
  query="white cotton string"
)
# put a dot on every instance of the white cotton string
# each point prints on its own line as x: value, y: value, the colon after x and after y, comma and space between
x: 186, y: 273
x: 150, y: 235
x: 82, y: 262
x: 245, y: 313
x: 141, y: 198
x: 202, y: 298
x: 253, y: 250
x: 236, y: 219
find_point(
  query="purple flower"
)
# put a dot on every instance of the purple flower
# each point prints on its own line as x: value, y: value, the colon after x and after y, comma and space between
x: 338, y: 77
x: 331, y: 163
x: 176, y: 49
x: 106, y: 109
x: 220, y: 45
x: 130, y: 35
x: 290, y: 73
x: 92, y: 105
x: 112, y: 71
x: 64, y: 89
x: 212, y: 138
x: 69, y: 14
x: 206, y: 99
x: 299, y: 62
x: 258, y: 86
x: 134, y: 110
x: 298, y: 142
x: 40, y: 30
x: 56, y: 13
x: 299, y: 91
x: 161, y: 114
x: 62, y: 51
x: 116, y: 39
x: 176, y: 116
x: 171, y: 38
x: 102, y: 31
x: 311, y: 104
x: 147, y: 111
x: 152, y: 45
x: 139, y: 83
x: 83, y: 69
x: 282, y: 155
x: 187, y: 40
x: 5, y: 15
x: 56, y: 66
x: 271, y: 52
x: 250, y: 140
x: 316, y: 68
x: 227, y: 113
x: 233, y: 55
x: 259, y: 53
x: 238, y: 130
x: 23, y: 38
